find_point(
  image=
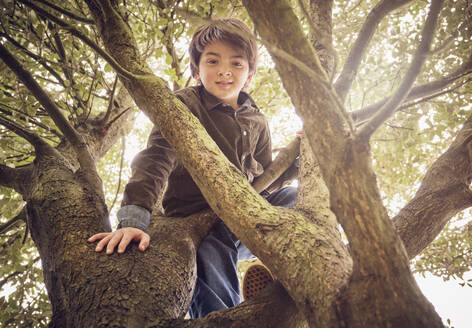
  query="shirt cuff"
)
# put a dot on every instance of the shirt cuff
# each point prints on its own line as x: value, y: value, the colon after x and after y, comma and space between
x: 133, y: 216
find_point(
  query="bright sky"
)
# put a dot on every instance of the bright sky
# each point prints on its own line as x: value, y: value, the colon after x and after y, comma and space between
x: 450, y: 300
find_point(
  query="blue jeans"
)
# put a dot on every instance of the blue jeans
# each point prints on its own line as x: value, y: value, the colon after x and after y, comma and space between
x: 217, y: 286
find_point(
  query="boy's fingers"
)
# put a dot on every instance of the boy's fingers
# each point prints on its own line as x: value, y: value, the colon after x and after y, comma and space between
x: 103, y: 242
x: 144, y: 242
x: 98, y: 236
x: 117, y: 235
x: 124, y: 242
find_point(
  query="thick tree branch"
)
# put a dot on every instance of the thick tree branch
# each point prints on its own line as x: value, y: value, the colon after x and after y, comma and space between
x: 15, y: 178
x: 84, y: 157
x: 443, y: 193
x: 381, y: 290
x: 254, y: 221
x: 321, y: 31
x: 402, y: 91
x: 281, y: 163
x: 353, y: 61
x: 424, y: 90
x: 271, y: 308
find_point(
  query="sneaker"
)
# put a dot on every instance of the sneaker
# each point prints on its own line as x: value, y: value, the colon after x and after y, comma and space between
x: 257, y: 278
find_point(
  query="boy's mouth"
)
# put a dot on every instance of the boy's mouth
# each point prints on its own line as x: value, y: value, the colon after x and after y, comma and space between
x: 224, y: 83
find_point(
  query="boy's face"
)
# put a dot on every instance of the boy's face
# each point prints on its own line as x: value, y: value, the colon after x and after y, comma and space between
x: 224, y: 71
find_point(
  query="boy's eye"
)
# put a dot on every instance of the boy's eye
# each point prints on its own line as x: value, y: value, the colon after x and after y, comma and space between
x: 212, y: 61
x: 238, y: 64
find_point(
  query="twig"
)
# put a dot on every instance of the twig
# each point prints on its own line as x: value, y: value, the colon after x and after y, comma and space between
x: 109, y: 59
x: 425, y: 99
x: 414, y: 70
x: 110, y: 102
x: 67, y: 13
x: 16, y: 273
x: 117, y: 117
x: 30, y: 119
x: 353, y: 61
x: 449, y: 41
x: 424, y: 90
x: 31, y: 137
x: 9, y: 224
x: 38, y: 58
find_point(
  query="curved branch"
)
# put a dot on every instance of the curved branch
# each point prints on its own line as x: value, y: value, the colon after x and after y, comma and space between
x: 420, y: 91
x: 271, y: 308
x: 281, y: 163
x: 401, y: 93
x: 85, y: 159
x: 353, y: 61
x: 30, y: 118
x: 110, y: 103
x: 31, y: 137
x: 39, y: 59
x: 443, y: 193
x: 109, y: 59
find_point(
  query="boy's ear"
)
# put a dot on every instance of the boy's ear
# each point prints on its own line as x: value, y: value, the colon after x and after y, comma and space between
x: 248, y: 80
x: 196, y: 76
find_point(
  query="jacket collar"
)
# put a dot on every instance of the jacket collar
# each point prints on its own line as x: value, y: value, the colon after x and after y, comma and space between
x: 211, y: 102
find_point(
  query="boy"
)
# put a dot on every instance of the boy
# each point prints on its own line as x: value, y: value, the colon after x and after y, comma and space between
x: 224, y: 64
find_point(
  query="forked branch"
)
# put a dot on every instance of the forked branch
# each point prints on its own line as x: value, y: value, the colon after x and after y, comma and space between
x: 421, y: 91
x: 84, y: 157
x: 353, y: 61
x: 422, y: 52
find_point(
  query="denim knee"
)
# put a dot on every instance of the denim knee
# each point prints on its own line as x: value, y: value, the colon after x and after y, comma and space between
x: 285, y: 197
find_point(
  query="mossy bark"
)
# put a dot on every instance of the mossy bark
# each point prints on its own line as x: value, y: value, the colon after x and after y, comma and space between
x: 320, y: 283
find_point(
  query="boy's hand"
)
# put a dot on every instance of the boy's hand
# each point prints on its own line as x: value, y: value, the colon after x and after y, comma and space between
x: 122, y: 236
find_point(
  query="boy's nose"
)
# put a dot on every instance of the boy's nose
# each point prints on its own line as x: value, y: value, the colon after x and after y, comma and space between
x: 225, y: 73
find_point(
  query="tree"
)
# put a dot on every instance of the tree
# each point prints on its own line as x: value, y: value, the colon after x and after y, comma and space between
x: 69, y: 109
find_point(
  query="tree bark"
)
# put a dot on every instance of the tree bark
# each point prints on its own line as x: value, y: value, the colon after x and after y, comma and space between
x: 443, y: 193
x: 320, y: 285
x: 381, y: 278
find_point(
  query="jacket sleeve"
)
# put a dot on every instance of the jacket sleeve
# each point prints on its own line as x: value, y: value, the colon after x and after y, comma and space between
x: 150, y: 171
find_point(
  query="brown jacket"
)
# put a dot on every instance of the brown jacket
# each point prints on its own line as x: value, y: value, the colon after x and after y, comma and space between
x: 242, y: 135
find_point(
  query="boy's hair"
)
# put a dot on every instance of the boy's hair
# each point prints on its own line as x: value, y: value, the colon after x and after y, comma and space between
x: 208, y: 33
